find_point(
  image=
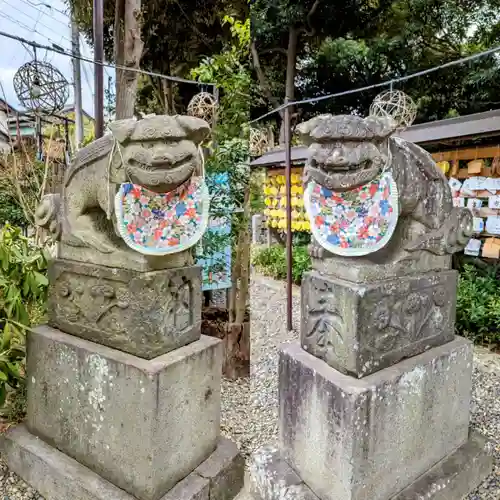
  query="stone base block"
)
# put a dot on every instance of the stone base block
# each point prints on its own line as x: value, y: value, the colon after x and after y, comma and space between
x: 124, y: 257
x: 271, y: 478
x: 142, y: 425
x: 359, y: 329
x: 369, y: 438
x: 146, y: 314
x: 58, y: 477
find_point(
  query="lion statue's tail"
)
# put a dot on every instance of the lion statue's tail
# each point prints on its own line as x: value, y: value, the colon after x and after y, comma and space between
x: 47, y: 215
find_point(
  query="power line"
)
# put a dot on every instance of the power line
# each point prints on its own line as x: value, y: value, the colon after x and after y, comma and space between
x: 45, y: 13
x: 382, y: 84
x: 28, y: 28
x: 60, y: 50
x: 43, y: 4
x: 32, y: 18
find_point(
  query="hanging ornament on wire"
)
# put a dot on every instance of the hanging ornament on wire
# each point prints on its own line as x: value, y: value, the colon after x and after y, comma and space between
x: 397, y: 105
x: 259, y: 141
x: 41, y: 88
x: 204, y: 106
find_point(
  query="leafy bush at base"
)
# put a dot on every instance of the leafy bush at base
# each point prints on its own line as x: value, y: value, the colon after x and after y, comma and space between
x: 271, y: 261
x: 478, y: 305
x: 23, y: 294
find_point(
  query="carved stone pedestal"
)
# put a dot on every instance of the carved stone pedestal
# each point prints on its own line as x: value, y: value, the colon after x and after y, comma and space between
x: 146, y: 314
x: 135, y: 426
x: 396, y: 434
x: 361, y: 328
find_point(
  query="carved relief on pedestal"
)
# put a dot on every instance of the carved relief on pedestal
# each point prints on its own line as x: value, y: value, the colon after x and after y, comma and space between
x: 399, y: 321
x: 323, y: 327
x: 360, y: 329
x: 146, y: 314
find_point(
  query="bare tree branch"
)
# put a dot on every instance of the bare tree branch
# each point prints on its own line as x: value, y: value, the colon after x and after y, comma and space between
x: 263, y: 83
x: 311, y: 31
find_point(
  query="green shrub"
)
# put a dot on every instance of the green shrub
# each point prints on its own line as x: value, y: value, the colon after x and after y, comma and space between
x: 10, y: 211
x: 478, y: 305
x: 271, y: 261
x: 23, y: 293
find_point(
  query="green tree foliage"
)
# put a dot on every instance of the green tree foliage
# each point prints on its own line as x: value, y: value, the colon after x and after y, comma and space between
x: 360, y: 43
x: 229, y: 151
x: 176, y: 35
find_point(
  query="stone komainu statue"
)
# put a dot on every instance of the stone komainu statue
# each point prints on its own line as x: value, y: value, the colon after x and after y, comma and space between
x: 346, y: 152
x: 158, y: 152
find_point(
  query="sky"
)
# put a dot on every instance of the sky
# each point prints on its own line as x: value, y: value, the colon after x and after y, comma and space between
x: 45, y: 22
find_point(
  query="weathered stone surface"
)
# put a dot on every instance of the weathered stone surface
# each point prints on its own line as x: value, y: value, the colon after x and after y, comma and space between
x: 271, y: 478
x: 193, y: 487
x: 369, y: 269
x: 52, y: 473
x: 225, y: 470
x: 157, y: 152
x: 58, y: 477
x: 455, y: 476
x: 144, y: 314
x: 124, y: 258
x: 367, y: 439
x: 360, y: 329
x: 348, y: 151
x: 142, y: 425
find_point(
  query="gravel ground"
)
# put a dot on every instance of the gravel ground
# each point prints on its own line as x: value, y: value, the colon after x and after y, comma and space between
x: 249, y: 409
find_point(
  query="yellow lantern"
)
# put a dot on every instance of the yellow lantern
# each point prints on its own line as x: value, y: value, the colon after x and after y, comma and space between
x: 444, y: 166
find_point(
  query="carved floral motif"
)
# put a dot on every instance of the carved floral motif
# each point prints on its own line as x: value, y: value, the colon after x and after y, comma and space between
x: 399, y: 321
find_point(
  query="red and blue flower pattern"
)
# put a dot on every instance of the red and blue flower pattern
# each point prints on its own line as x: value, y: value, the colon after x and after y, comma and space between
x: 162, y: 223
x: 355, y: 222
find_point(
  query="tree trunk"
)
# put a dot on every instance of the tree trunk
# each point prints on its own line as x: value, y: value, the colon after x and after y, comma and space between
x: 128, y: 53
x: 167, y: 87
x: 237, y: 347
x: 237, y: 340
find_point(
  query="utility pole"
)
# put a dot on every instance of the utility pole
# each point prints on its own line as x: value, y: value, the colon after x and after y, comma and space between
x: 77, y: 84
x: 98, y: 17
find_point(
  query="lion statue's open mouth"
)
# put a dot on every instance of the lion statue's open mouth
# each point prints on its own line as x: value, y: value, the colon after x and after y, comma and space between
x: 345, y: 152
x: 162, y: 168
x: 344, y: 167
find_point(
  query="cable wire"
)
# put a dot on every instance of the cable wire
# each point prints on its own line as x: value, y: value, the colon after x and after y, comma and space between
x: 43, y: 4
x: 26, y: 2
x: 28, y: 28
x: 382, y: 84
x: 37, y: 21
x: 60, y: 50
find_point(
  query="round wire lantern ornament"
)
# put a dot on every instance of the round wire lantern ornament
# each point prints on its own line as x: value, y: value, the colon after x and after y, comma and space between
x: 259, y: 141
x: 203, y: 105
x: 397, y: 105
x: 41, y: 88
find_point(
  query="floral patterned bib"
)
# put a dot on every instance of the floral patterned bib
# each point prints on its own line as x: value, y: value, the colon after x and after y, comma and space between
x: 161, y: 224
x: 356, y: 222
